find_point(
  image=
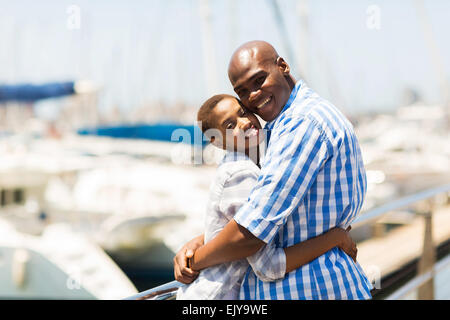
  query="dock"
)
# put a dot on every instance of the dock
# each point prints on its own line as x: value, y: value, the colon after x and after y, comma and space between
x: 383, y: 258
x: 410, y: 261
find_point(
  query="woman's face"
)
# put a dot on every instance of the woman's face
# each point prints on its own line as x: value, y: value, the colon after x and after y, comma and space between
x: 240, y: 129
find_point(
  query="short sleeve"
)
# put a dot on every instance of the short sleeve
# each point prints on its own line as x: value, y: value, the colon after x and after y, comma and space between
x: 269, y: 263
x: 292, y: 163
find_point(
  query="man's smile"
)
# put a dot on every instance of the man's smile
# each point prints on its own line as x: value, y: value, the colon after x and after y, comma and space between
x: 264, y: 103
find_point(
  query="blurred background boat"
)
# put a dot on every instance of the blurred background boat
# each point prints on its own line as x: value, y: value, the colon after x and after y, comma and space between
x: 79, y: 269
x: 123, y: 199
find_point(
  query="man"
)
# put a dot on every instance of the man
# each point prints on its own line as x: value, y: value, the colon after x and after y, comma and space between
x: 312, y: 179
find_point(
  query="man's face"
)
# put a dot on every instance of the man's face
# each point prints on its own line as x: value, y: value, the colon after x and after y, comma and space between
x: 261, y: 84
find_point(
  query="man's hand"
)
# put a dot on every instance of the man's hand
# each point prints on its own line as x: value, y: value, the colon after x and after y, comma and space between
x: 182, y: 272
x: 347, y: 244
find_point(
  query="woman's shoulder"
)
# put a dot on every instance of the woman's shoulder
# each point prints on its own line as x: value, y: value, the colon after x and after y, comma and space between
x: 235, y: 165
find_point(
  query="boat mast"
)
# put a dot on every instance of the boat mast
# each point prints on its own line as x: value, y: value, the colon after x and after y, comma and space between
x: 232, y: 33
x: 303, y: 44
x: 436, y: 57
x: 208, y: 48
x: 291, y: 57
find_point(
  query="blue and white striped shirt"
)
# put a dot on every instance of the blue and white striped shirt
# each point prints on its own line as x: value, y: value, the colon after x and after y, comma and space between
x: 312, y: 179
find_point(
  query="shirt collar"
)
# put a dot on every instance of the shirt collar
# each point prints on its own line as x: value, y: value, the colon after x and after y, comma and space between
x: 269, y: 125
x: 234, y: 156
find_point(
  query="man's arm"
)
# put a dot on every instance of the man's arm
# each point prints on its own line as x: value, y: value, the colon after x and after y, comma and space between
x: 290, y: 168
x: 234, y: 242
x: 296, y: 255
x: 236, y: 186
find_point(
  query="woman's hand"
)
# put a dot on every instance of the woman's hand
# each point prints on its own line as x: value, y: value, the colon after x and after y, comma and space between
x: 182, y: 272
x: 347, y: 244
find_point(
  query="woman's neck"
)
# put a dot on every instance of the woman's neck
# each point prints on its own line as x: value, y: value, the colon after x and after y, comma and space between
x: 253, y: 154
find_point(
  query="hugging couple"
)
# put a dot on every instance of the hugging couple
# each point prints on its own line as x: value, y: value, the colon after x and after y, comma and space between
x: 276, y: 229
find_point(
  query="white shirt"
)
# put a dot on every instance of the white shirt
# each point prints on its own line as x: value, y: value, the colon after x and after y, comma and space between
x: 235, y: 178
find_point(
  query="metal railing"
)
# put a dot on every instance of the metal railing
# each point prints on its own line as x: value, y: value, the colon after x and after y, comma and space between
x: 375, y: 214
x: 168, y: 291
x: 420, y: 280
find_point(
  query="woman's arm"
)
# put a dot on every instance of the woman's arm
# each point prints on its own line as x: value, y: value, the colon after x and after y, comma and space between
x: 271, y: 263
x: 182, y: 271
x: 306, y: 251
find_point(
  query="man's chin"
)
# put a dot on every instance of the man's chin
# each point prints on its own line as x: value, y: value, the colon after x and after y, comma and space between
x: 267, y: 117
x: 268, y: 114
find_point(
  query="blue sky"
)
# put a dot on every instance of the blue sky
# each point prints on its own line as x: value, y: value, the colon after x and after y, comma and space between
x: 142, y: 51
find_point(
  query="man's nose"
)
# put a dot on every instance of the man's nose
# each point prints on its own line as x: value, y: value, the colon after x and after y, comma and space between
x: 254, y: 95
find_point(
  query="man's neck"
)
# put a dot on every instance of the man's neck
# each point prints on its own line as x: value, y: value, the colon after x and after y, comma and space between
x: 291, y: 81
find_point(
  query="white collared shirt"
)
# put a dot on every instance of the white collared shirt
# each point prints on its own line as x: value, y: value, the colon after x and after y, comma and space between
x: 235, y: 178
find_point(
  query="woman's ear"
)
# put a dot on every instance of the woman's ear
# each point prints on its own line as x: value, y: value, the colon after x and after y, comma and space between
x: 284, y: 67
x: 215, y: 136
x: 216, y: 142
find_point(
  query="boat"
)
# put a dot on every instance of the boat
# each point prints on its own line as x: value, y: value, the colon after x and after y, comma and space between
x: 59, y: 264
x: 127, y: 195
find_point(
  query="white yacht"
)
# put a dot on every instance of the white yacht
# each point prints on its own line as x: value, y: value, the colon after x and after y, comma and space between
x: 122, y: 194
x: 59, y: 264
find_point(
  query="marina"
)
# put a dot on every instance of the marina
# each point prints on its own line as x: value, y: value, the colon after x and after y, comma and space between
x: 105, y: 176
x: 107, y: 184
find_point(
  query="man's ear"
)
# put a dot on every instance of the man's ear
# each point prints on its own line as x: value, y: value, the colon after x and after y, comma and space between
x: 284, y: 67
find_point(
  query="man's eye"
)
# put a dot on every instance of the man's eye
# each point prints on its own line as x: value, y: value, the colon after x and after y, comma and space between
x: 241, y: 93
x: 260, y: 80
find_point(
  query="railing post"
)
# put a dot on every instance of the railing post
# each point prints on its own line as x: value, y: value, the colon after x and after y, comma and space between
x: 378, y: 230
x: 428, y: 259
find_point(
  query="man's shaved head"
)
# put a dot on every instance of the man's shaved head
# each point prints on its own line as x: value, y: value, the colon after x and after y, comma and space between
x: 261, y: 78
x: 249, y: 51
